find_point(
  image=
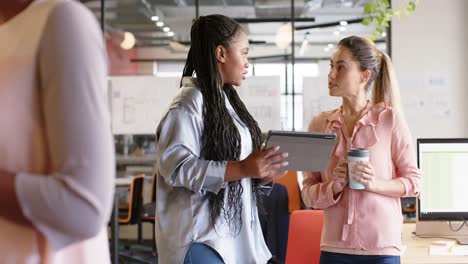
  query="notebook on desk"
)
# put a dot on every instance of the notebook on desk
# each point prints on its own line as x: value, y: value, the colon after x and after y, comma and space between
x: 447, y: 248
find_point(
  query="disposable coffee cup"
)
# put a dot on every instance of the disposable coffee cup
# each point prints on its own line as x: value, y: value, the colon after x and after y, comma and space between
x: 355, y: 155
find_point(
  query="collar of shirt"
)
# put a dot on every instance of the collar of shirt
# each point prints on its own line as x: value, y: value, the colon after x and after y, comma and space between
x: 365, y: 135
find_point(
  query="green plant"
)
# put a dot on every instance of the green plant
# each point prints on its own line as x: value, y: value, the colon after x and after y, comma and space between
x: 380, y: 13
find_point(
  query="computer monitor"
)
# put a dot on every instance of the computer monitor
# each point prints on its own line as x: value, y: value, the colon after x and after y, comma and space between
x: 442, y: 205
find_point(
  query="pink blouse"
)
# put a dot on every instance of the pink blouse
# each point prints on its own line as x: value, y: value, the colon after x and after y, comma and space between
x: 359, y: 221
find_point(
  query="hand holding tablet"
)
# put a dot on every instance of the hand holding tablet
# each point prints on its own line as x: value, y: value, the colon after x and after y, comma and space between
x: 307, y: 151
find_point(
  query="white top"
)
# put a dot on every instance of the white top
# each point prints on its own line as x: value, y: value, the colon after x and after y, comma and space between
x: 182, y: 210
x: 55, y: 133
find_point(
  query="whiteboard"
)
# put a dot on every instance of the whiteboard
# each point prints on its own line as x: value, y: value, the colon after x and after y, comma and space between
x: 138, y: 102
x: 262, y: 97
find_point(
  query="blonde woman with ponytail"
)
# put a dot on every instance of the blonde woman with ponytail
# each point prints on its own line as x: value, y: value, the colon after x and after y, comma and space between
x: 363, y: 226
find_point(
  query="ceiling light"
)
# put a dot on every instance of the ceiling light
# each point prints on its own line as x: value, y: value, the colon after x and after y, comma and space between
x: 342, y: 29
x: 128, y: 41
x: 159, y: 23
x: 384, y: 34
x: 155, y: 18
x: 166, y: 29
x: 343, y: 23
x: 170, y: 34
x: 330, y: 46
x: 326, y: 49
x: 283, y: 36
x: 336, y: 33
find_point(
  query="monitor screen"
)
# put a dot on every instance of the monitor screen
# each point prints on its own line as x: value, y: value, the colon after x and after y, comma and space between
x: 444, y: 192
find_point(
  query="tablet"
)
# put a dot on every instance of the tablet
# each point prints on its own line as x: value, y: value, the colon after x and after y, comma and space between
x: 307, y: 151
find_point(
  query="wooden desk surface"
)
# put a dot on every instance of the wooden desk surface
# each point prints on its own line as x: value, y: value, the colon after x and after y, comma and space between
x: 417, y: 251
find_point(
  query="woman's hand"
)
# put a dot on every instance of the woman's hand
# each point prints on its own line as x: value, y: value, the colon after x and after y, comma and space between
x: 340, y: 176
x: 267, y: 180
x: 265, y: 164
x: 363, y: 172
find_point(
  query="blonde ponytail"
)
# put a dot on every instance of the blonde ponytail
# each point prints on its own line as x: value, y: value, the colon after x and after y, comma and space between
x: 385, y: 84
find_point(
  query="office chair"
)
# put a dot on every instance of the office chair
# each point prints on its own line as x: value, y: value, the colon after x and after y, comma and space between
x: 305, y: 230
x: 132, y: 215
x: 149, y: 212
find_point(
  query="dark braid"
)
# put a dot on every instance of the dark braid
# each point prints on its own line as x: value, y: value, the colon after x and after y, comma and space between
x: 221, y: 140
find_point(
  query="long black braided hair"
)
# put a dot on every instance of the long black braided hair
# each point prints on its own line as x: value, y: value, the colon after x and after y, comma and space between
x: 221, y: 140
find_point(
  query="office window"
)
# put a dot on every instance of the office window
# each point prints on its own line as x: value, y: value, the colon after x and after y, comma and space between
x: 169, y: 69
x: 301, y: 70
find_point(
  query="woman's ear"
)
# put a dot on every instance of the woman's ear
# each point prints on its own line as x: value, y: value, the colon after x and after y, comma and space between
x: 365, y: 76
x: 220, y: 53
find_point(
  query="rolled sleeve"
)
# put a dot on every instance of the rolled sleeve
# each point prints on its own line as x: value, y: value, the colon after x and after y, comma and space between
x: 178, y: 148
x: 73, y: 203
x: 410, y: 188
x: 57, y: 208
x: 404, y: 156
x: 212, y: 181
x: 318, y: 194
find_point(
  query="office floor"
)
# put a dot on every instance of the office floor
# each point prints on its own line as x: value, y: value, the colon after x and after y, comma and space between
x: 142, y: 254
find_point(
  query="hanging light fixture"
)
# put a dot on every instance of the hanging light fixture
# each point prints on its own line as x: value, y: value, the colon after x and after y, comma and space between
x: 128, y: 41
x: 283, y: 36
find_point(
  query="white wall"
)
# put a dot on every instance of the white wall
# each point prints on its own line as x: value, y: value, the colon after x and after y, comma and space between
x: 429, y: 51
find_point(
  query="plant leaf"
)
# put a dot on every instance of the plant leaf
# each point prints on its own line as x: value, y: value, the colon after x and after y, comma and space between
x: 388, y: 15
x: 385, y: 3
x: 412, y: 6
x: 380, y: 14
x: 407, y: 11
x: 366, y: 21
x: 370, y: 8
x: 398, y: 13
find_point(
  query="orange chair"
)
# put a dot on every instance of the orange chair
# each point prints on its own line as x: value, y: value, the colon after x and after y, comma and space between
x: 305, y: 230
x: 131, y: 215
x: 289, y: 180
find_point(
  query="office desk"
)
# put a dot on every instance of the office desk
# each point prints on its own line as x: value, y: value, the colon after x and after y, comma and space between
x: 417, y: 251
x: 148, y: 159
x: 133, y: 165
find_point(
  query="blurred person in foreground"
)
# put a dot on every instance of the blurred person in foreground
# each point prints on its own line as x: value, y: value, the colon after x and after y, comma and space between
x: 57, y: 163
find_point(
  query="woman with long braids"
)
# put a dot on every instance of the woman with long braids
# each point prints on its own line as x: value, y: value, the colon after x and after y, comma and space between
x: 211, y: 164
x: 363, y: 226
